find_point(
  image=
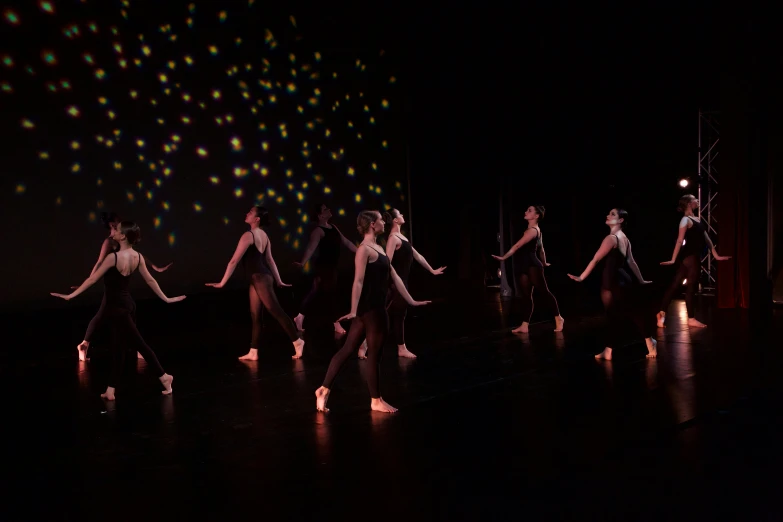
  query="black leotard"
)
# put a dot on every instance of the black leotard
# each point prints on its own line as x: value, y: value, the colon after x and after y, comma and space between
x: 328, y: 248
x: 616, y: 273
x: 402, y: 260
x: 527, y: 255
x: 254, y: 261
x: 376, y: 284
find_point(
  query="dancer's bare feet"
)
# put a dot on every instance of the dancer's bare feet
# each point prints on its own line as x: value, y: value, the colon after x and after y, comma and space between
x: 298, y: 349
x: 402, y: 351
x: 605, y: 355
x: 138, y: 356
x: 559, y: 322
x: 252, y: 355
x: 363, y: 350
x: 338, y: 328
x: 652, y: 348
x: 661, y: 317
x: 523, y: 328
x: 166, y: 381
x: 82, y: 349
x: 381, y: 405
x: 299, y: 321
x: 321, y: 396
x: 693, y: 323
x: 108, y: 394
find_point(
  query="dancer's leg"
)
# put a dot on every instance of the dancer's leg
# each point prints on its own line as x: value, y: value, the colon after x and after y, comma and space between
x: 542, y: 292
x: 265, y: 289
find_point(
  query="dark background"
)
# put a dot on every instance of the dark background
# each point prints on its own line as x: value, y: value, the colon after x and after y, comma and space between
x: 578, y: 109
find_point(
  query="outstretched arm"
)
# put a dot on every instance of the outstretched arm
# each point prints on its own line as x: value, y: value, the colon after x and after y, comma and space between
x: 244, y: 242
x: 634, y: 267
x: 684, y: 222
x: 154, y: 284
x: 423, y: 262
x: 346, y: 243
x: 714, y: 251
x: 360, y: 264
x: 315, y: 239
x: 528, y: 236
x: 96, y: 275
x: 404, y: 291
x: 158, y: 268
x: 271, y: 262
x: 607, y: 245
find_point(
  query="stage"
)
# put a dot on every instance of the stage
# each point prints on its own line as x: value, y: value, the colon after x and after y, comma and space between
x: 492, y: 426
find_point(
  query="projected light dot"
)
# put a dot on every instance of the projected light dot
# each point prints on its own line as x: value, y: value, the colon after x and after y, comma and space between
x: 102, y: 100
x: 197, y: 207
x: 149, y: 195
x: 188, y: 60
x: 75, y: 168
x: 372, y: 120
x: 201, y: 151
x: 216, y: 94
x: 20, y: 188
x: 377, y: 190
x: 341, y: 212
x: 65, y: 84
x: 385, y: 144
x: 27, y: 124
x: 359, y: 136
x: 236, y: 144
x: 229, y: 118
x: 300, y: 109
x: 351, y: 171
x: 240, y: 172
x: 157, y: 222
x: 100, y: 74
x: 92, y: 26
x: 109, y: 144
x: 213, y: 50
x: 123, y: 63
x: 111, y: 114
x: 214, y: 180
x: 153, y: 102
x: 146, y: 50
x: 46, y: 7
x: 153, y: 167
x: 165, y: 206
x: 48, y: 57
x: 163, y: 78
x: 238, y: 192
x: 134, y: 94
x: 291, y: 87
x: 186, y: 97
x: 137, y: 62
x: 167, y: 172
x: 175, y: 138
x: 141, y: 157
x: 117, y: 165
x: 117, y: 47
x: 140, y: 143
x: 327, y: 190
x: 172, y: 239
x: 264, y: 171
x: 350, y: 124
x: 43, y: 155
x: 30, y: 71
x: 385, y: 104
x: 186, y: 120
x: 6, y: 87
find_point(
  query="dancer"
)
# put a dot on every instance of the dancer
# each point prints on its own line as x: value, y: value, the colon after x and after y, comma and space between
x: 109, y: 245
x: 692, y: 240
x: 120, y: 310
x: 621, y: 300
x: 401, y: 254
x: 531, y: 269
x: 255, y: 252
x: 326, y: 238
x: 368, y: 311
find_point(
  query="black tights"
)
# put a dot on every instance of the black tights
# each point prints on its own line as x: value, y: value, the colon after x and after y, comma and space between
x: 126, y: 336
x: 624, y: 304
x: 533, y: 277
x: 397, y: 309
x: 688, y: 269
x: 95, y: 321
x: 262, y: 294
x: 322, y: 297
x: 374, y: 325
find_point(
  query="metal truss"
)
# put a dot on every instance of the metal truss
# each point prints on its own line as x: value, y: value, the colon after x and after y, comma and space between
x: 709, y: 150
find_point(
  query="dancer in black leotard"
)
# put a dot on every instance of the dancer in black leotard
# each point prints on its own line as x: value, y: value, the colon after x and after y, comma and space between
x: 531, y: 269
x: 327, y: 239
x: 692, y: 241
x: 110, y: 221
x: 620, y: 294
x: 255, y: 252
x: 120, y: 311
x: 401, y: 254
x: 368, y: 311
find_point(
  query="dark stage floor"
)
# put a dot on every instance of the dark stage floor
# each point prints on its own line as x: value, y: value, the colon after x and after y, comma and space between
x: 492, y: 426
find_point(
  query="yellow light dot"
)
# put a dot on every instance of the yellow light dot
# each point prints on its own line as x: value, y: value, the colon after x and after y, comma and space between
x: 236, y: 144
x: 201, y: 151
x: 197, y: 206
x: 27, y: 124
x: 133, y: 94
x: 216, y: 94
x: 117, y: 165
x: 264, y: 171
x: 20, y: 189
x: 146, y: 50
x: 327, y: 190
x: 214, y: 180
x: 172, y: 239
x: 213, y: 50
x: 238, y: 193
x: 351, y: 171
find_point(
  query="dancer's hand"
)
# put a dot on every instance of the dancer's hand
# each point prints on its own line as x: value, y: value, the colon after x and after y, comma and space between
x: 438, y: 271
x: 420, y: 303
x: 666, y: 263
x: 646, y: 282
x: 547, y: 264
x: 346, y: 317
x: 575, y: 278
x: 721, y: 258
x: 161, y: 269
x: 499, y: 258
x: 177, y: 299
x: 215, y: 285
x: 67, y: 297
x: 281, y: 284
x: 298, y: 264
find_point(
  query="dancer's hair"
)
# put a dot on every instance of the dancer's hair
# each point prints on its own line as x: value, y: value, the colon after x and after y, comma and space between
x: 263, y: 216
x: 365, y: 219
x: 540, y: 210
x: 685, y: 202
x: 388, y: 218
x: 131, y: 231
x: 107, y: 218
x: 622, y: 214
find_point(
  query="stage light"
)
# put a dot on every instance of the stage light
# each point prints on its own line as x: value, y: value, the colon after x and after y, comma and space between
x: 685, y: 281
x: 684, y: 182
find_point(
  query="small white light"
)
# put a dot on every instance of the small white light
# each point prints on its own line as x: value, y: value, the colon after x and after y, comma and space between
x: 684, y: 182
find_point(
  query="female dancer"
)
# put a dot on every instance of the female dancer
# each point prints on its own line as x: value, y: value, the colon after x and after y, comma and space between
x: 110, y: 221
x: 120, y: 311
x: 401, y: 254
x: 255, y: 252
x: 620, y: 299
x: 368, y: 311
x: 327, y: 238
x: 691, y: 243
x: 532, y: 269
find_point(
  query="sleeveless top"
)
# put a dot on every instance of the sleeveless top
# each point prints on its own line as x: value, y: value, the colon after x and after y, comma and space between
x: 528, y: 253
x: 695, y: 243
x: 617, y: 273
x: 328, y: 248
x: 254, y: 261
x: 402, y: 260
x: 376, y: 285
x: 116, y: 287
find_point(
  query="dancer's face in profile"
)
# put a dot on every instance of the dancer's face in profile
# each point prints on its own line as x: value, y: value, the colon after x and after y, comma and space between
x: 399, y: 219
x: 694, y: 204
x: 613, y: 219
x: 116, y: 233
x: 530, y: 214
x: 378, y: 225
x: 251, y: 217
x: 326, y: 213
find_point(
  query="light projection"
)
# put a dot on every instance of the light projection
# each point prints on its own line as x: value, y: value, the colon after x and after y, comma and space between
x: 198, y: 114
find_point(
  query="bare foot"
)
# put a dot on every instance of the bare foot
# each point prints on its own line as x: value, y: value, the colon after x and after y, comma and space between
x: 363, y: 350
x: 652, y: 348
x: 381, y: 405
x: 338, y: 328
x: 661, y: 316
x: 559, y: 322
x: 108, y: 394
x: 166, y: 381
x: 82, y: 349
x: 138, y: 356
x: 298, y: 321
x: 252, y: 355
x: 606, y: 355
x: 321, y: 396
x: 523, y: 328
x: 693, y: 323
x: 402, y: 351
x: 298, y: 349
